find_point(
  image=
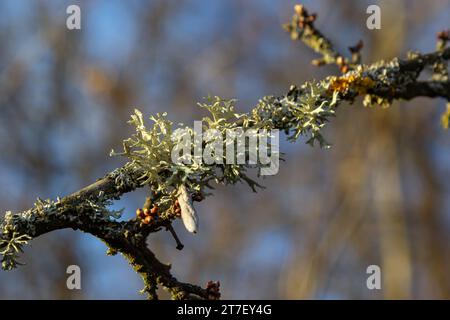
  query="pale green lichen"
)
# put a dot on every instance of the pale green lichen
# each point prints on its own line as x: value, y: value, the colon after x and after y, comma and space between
x: 11, y: 242
x: 150, y: 149
x: 17, y: 228
x: 303, y: 112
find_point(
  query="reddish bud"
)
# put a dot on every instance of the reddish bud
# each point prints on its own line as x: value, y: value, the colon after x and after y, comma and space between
x: 140, y: 213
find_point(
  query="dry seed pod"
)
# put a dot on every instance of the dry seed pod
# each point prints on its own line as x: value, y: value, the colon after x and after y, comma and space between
x: 188, y: 214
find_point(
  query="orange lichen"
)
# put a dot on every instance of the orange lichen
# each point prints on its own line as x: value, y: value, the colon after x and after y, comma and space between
x: 354, y: 82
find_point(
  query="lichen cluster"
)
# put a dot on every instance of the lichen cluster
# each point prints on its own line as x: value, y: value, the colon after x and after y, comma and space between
x: 17, y: 228
x: 302, y: 112
x: 11, y: 243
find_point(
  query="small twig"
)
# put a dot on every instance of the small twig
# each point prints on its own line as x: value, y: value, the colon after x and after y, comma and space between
x: 169, y: 227
x: 302, y: 28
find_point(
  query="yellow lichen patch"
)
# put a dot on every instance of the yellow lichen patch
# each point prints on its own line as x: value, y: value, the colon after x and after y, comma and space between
x: 354, y: 82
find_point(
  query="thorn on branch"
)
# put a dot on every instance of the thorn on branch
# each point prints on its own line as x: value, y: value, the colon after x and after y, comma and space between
x: 180, y: 246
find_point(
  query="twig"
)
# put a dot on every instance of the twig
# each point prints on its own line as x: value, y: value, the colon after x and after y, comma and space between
x: 180, y: 246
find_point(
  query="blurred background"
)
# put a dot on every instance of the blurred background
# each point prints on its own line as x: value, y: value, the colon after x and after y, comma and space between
x: 380, y: 195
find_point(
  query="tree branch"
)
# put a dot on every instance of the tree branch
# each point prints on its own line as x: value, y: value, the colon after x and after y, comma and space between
x: 302, y: 111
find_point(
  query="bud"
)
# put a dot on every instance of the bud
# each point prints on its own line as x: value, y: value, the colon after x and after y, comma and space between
x: 344, y: 68
x: 140, y: 213
x: 188, y: 214
x: 148, y: 220
x: 298, y: 8
x: 154, y: 210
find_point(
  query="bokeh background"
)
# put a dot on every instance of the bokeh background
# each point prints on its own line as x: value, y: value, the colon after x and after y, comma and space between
x: 380, y: 195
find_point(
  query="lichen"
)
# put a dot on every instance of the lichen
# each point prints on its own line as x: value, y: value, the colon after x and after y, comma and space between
x: 16, y: 229
x: 11, y: 243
